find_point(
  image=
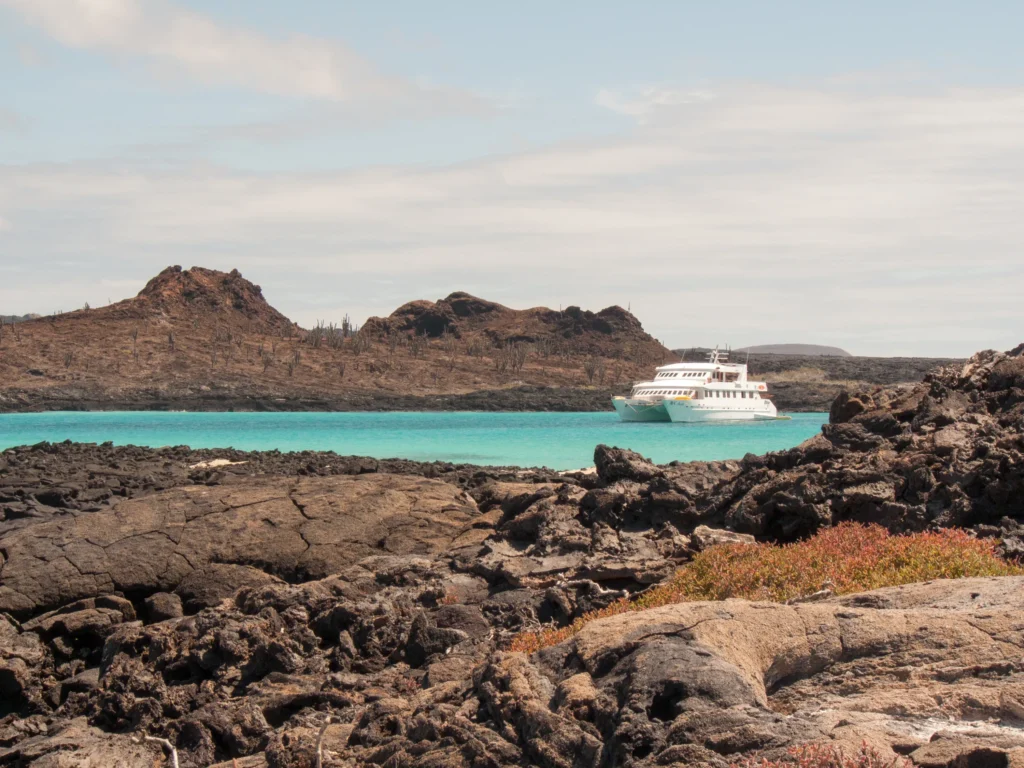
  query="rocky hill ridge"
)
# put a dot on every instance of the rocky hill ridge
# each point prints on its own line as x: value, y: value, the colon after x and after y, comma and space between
x: 203, y: 339
x: 611, y: 332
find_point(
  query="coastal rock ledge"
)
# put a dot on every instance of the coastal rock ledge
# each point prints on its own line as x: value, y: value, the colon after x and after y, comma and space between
x: 290, y: 611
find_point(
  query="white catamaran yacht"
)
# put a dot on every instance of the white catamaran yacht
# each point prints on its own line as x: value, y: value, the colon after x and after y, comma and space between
x: 695, y: 392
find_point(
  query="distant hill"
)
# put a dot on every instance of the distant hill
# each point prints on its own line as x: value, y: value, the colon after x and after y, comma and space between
x: 811, y: 350
x: 195, y: 336
x: 612, y: 333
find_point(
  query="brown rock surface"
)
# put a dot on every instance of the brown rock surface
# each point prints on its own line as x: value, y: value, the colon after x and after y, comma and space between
x: 709, y: 680
x: 948, y: 452
x: 374, y: 609
x: 294, y: 529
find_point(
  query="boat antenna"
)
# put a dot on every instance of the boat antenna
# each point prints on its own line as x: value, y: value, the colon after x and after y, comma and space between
x: 745, y: 362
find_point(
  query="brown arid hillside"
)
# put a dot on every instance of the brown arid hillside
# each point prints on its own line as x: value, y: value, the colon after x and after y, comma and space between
x: 203, y: 339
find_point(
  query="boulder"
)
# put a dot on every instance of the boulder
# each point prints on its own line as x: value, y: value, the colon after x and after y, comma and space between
x: 162, y: 606
x: 736, y: 677
x: 207, y: 586
x: 78, y: 744
x: 614, y: 464
x: 298, y: 529
x: 704, y: 537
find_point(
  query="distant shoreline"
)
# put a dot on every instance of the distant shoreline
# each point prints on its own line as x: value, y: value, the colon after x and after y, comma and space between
x: 796, y: 397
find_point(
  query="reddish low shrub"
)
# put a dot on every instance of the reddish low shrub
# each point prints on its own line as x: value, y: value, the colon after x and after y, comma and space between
x: 827, y: 756
x: 847, y: 558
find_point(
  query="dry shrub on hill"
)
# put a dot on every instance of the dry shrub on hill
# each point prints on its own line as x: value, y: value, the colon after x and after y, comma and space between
x: 845, y: 559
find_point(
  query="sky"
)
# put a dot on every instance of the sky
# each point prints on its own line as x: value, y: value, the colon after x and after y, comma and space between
x: 737, y: 172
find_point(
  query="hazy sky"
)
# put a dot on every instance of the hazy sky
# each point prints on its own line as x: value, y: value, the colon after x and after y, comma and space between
x: 847, y: 173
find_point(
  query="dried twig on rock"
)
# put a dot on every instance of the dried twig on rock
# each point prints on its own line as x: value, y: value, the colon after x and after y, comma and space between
x: 166, y: 745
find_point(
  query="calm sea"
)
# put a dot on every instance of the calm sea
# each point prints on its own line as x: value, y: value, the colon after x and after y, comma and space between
x: 555, y: 440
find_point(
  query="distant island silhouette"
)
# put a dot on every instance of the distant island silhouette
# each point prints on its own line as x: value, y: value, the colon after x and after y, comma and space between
x: 816, y: 350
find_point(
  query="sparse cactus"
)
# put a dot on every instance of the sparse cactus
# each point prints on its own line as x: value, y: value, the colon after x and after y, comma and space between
x: 418, y: 345
x: 511, y: 357
x: 594, y: 367
x: 360, y: 343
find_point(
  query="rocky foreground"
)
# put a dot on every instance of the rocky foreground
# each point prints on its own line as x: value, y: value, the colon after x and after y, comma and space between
x: 305, y: 609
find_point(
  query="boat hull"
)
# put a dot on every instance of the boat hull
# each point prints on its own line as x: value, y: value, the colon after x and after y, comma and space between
x: 695, y: 412
x: 639, y: 410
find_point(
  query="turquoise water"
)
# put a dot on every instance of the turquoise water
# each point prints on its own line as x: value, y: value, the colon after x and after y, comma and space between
x: 555, y: 440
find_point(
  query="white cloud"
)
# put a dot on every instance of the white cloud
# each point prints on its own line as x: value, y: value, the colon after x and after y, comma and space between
x: 882, y: 222
x: 199, y: 47
x: 643, y: 103
x: 5, y: 225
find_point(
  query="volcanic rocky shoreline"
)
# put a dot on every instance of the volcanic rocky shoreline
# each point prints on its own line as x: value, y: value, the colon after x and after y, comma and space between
x: 788, y: 396
x: 523, y: 398
x: 266, y: 607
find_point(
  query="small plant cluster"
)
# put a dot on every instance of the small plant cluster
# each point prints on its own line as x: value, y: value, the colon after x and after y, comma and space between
x: 330, y: 335
x: 595, y: 369
x: 511, y: 357
x: 827, y: 756
x: 847, y: 558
